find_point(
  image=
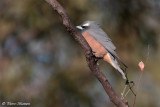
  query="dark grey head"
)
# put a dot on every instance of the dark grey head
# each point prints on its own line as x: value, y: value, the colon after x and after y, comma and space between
x: 87, y: 25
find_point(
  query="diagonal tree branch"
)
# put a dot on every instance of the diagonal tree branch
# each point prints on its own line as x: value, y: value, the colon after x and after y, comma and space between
x: 88, y: 53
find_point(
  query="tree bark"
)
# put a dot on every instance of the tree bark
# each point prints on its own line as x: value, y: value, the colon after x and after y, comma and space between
x: 88, y: 53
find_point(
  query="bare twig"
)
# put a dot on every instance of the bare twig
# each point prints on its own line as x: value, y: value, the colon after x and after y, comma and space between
x: 89, y: 56
x: 148, y: 52
x: 142, y: 68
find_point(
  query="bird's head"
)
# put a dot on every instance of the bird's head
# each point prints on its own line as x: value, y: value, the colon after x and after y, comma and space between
x: 86, y: 25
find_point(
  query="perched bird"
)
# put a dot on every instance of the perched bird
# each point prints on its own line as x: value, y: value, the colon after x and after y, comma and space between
x: 101, y: 44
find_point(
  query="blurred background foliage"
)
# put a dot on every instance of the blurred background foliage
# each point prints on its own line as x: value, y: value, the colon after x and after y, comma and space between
x: 42, y: 64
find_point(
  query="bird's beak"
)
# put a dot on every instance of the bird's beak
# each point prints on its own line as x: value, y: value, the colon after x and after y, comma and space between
x: 79, y: 27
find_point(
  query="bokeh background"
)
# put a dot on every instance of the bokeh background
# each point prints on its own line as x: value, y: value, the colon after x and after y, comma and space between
x: 42, y: 64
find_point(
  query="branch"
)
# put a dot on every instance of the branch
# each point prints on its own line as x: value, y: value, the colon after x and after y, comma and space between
x: 88, y: 53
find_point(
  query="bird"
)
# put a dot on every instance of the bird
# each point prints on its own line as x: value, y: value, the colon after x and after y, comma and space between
x: 100, y: 44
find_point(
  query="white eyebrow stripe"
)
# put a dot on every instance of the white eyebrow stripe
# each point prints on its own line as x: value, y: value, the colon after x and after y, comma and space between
x: 86, y: 24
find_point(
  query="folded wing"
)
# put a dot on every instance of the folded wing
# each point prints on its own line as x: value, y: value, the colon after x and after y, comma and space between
x: 103, y: 38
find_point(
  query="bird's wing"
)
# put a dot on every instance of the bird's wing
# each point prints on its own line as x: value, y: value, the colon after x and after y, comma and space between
x: 104, y: 40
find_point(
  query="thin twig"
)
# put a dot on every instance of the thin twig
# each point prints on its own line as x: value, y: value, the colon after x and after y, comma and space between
x: 139, y: 81
x: 147, y: 55
x: 141, y: 74
x: 130, y: 87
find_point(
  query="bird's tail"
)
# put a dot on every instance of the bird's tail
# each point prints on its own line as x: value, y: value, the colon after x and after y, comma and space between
x: 110, y: 59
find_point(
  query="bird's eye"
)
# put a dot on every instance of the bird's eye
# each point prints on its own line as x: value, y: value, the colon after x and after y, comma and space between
x: 84, y: 27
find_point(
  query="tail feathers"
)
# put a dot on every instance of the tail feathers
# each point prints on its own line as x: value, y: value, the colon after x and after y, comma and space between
x: 122, y: 73
x: 116, y: 66
x: 119, y: 59
x: 109, y: 58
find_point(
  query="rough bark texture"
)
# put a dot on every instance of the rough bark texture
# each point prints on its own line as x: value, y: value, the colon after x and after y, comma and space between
x: 88, y: 53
